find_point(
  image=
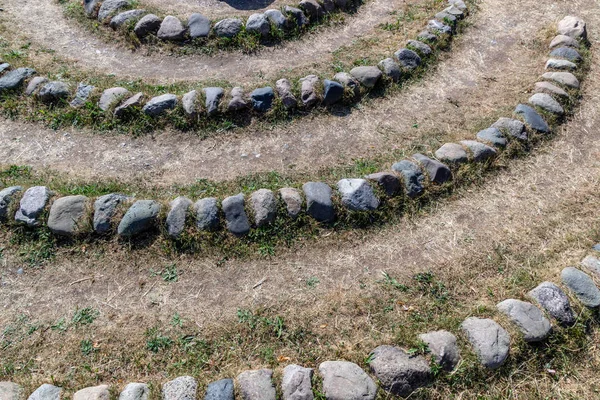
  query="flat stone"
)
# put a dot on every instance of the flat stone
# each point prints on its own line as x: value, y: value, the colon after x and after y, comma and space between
x: 105, y: 208
x: 15, y: 78
x: 235, y: 215
x: 213, y: 98
x: 262, y: 99
x: 160, y: 104
x: 438, y: 27
x: 591, y: 263
x: 297, y: 383
x: 490, y: 341
x: 171, y: 29
x: 45, y: 392
x: 93, y: 393
x: 220, y: 390
x: 181, y: 388
x: 493, y: 136
x: 189, y: 102
x: 308, y: 91
x: 367, y: 76
x: 343, y: 380
x: 293, y: 201
x: 312, y: 8
x: 412, y: 176
x: 547, y: 87
x: 511, y: 128
x: 140, y: 217
x: 10, y: 391
x: 443, y: 347
x: 264, y: 206
x: 547, y: 103
x: 257, y: 385
x: 284, y: 91
x: 532, y: 118
x: 135, y: 391
x: 199, y: 26
x: 277, y: 18
x: 452, y: 153
x: 333, y: 92
x: 122, y: 18
x: 528, y: 318
x: 427, y: 37
x: 389, y: 182
x: 90, y: 7
x: 207, y: 214
x: 399, y: 373
x: 112, y: 97
x: 237, y: 101
x: 177, y: 216
x: 562, y: 65
x: 129, y: 104
x: 228, y: 27
x: 554, y: 301
x: 391, y: 69
x: 258, y: 23
x: 357, y: 195
x: 582, y: 285
x: 459, y: 4
x: 297, y: 16
x: 32, y: 205
x: 563, y: 78
x: 408, y: 59
x: 54, y: 91
x: 149, y: 24
x: 67, y: 214
x: 479, y: 151
x: 318, y: 201
x: 7, y: 196
x: 564, y: 41
x: 446, y: 17
x: 110, y: 7
x: 348, y: 81
x: 423, y: 48
x: 35, y: 84
x: 82, y: 94
x: 572, y: 27
x: 438, y: 173
x: 567, y: 53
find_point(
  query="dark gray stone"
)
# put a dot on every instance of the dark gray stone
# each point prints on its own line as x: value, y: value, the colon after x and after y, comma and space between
x: 135, y: 391
x: 343, y: 380
x: 561, y: 65
x: 528, y: 318
x: 258, y: 23
x: 312, y: 8
x: 199, y: 26
x: 357, y: 195
x: 171, y: 29
x: 572, y: 27
x: 349, y: 82
x: 46, y: 392
x: 389, y: 182
x: 32, y: 205
x: 177, y: 216
x: 105, y: 208
x: 277, y: 18
x: 181, y: 388
x: 122, y: 18
x: 292, y: 200
x: 297, y: 16
x: 452, y: 153
x: 284, y: 90
x: 490, y: 341
x: 564, y: 78
x: 399, y: 373
x: 318, y: 201
x: 213, y: 98
x: 257, y: 385
x: 420, y: 47
x: 438, y: 27
x: 554, y: 301
x: 562, y: 41
x: 427, y: 37
x: 35, y: 84
x: 412, y: 176
x: 112, y: 97
x: 235, y: 215
x: 110, y: 7
x: 480, y: 152
x: 7, y: 196
x: 532, y: 118
x: 443, y: 347
x: 149, y: 24
x: 228, y: 27
x: 160, y: 104
x: 220, y: 390
x: 308, y: 92
x: 54, y: 91
x: 446, y: 17
x: 367, y: 76
x: 67, y: 214
x: 297, y: 383
x: 438, y: 173
x: 334, y: 91
x: 207, y: 214
x: 140, y: 217
x: 129, y: 104
x: 511, y: 127
x: 82, y: 94
x: 262, y: 99
x: 582, y: 285
x: 189, y: 102
x: 493, y: 136
x: 264, y: 206
x: 408, y: 59
x: 391, y: 69
x: 90, y: 7
x: 15, y: 78
x: 546, y: 103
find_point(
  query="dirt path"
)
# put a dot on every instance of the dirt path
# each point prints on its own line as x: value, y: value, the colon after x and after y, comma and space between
x: 219, y: 8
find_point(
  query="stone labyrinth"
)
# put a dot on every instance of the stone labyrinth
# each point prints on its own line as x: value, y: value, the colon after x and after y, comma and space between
x: 283, y: 199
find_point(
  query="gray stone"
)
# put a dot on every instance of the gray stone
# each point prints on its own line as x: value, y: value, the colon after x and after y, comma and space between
x: 408, y: 59
x: 171, y: 29
x: 419, y: 46
x: 13, y: 79
x: 547, y: 103
x: 446, y: 17
x: 328, y: 5
x: 318, y: 201
x: 235, y: 215
x: 333, y: 92
x: 591, y: 263
x: 389, y: 182
x: 207, y: 214
x: 140, y: 217
x: 105, y: 208
x: 135, y: 391
x: 343, y: 380
x: 10, y: 391
x: 199, y: 26
x: 357, y: 195
x: 293, y: 201
x: 554, y: 301
x: 412, y: 176
x: 562, y: 65
x: 35, y: 84
x: 149, y: 24
x: 181, y: 388
x: 264, y: 206
x: 564, y: 41
x: 367, y: 76
x: 32, y: 205
x: 511, y: 128
x: 348, y: 81
x: 563, y: 78
x: 567, y: 53
x: 528, y: 318
x: 443, y: 347
x: 6, y: 198
x: 177, y: 216
x: 480, y: 152
x: 129, y: 104
x: 67, y: 214
x: 572, y: 27
x: 493, y: 136
x: 82, y: 94
x: 547, y: 87
x: 284, y: 90
x: 277, y: 18
x: 228, y: 27
x: 112, y: 97
x: 93, y: 393
x: 213, y: 98
x: 452, y: 153
x: 438, y: 27
x: 596, y: 247
x: 4, y: 67
x: 438, y: 173
x: 262, y: 99
x: 90, y: 7
x: 297, y: 15
x: 122, y: 18
x: 54, y: 91
x: 427, y: 37
x: 220, y: 390
x: 160, y: 104
x: 258, y: 23
x: 308, y: 92
x: 532, y: 118
x: 111, y: 7
x: 297, y: 383
x: 312, y: 8
x: 456, y: 9
x: 490, y: 341
x: 46, y: 392
x: 391, y: 69
x: 237, y: 101
x: 582, y: 285
x: 459, y: 4
x: 189, y: 102
x: 399, y: 373
x: 257, y: 385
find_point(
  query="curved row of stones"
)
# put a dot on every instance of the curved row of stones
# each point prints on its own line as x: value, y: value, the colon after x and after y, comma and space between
x: 396, y: 371
x: 211, y: 101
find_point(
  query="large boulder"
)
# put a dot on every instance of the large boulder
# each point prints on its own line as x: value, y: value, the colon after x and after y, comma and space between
x: 490, y: 341
x: 257, y: 385
x: 297, y: 383
x: 399, y: 373
x: 343, y: 380
x: 318, y: 201
x: 32, y: 205
x: 181, y: 388
x: 140, y: 218
x: 554, y: 301
x: 235, y: 215
x: 528, y: 318
x: 177, y: 216
x: 67, y: 214
x: 171, y: 29
x: 357, y: 195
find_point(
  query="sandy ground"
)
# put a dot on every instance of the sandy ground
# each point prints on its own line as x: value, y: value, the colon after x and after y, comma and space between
x: 219, y: 8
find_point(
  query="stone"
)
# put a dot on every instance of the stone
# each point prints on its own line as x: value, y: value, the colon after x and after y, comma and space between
x: 419, y: 46
x: 105, y: 208
x: 67, y: 214
x: 438, y: 27
x: 563, y: 78
x: 293, y: 201
x: 171, y: 29
x: 452, y: 153
x: 554, y: 301
x: 591, y: 263
x: 493, y: 136
x: 112, y: 97
x: 582, y: 285
x: 567, y: 53
x: 15, y: 78
x: 459, y: 4
x: 532, y: 118
x: 4, y: 67
x: 207, y: 214
x: 546, y: 103
x: 135, y: 391
x: 10, y: 391
x: 348, y: 81
x: 35, y: 84
x: 189, y: 102
x: 228, y: 27
x: 328, y: 5
x: 547, y: 87
x: 308, y: 92
x: 140, y: 217
x: 341, y: 3
x: 564, y: 41
x: 427, y: 37
x: 389, y: 182
x: 32, y: 205
x: 237, y: 101
x: 45, y: 392
x: 199, y: 26
x: 148, y: 24
x: 129, y: 104
x: 235, y: 215
x: 258, y: 23
x: 490, y: 341
x: 90, y: 7
x: 122, y: 18
x: 572, y: 27
x: 596, y: 247
x: 264, y: 206
x: 177, y: 216
x: 213, y: 98
x: 262, y: 99
x: 511, y: 127
x: 277, y: 18
x: 357, y: 195
x: 561, y: 65
x: 181, y: 388
x: 446, y: 17
x: 412, y: 176
x: 343, y: 380
x: 160, y: 104
x: 257, y: 385
x: 333, y: 92
x: 408, y: 59
x: 318, y: 201
x: 110, y: 7
x: 54, y: 91
x: 82, y: 94
x: 399, y: 373
x: 528, y: 318
x: 7, y: 196
x: 391, y: 69
x: 284, y: 90
x: 438, y: 172
x: 93, y: 393
x: 312, y: 8
x: 297, y: 15
x: 297, y: 383
x: 220, y: 390
x: 456, y: 10
x: 443, y: 347
x: 367, y: 76
x: 479, y: 151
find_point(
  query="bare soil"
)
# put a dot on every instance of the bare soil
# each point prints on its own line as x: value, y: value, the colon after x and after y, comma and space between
x: 219, y: 8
